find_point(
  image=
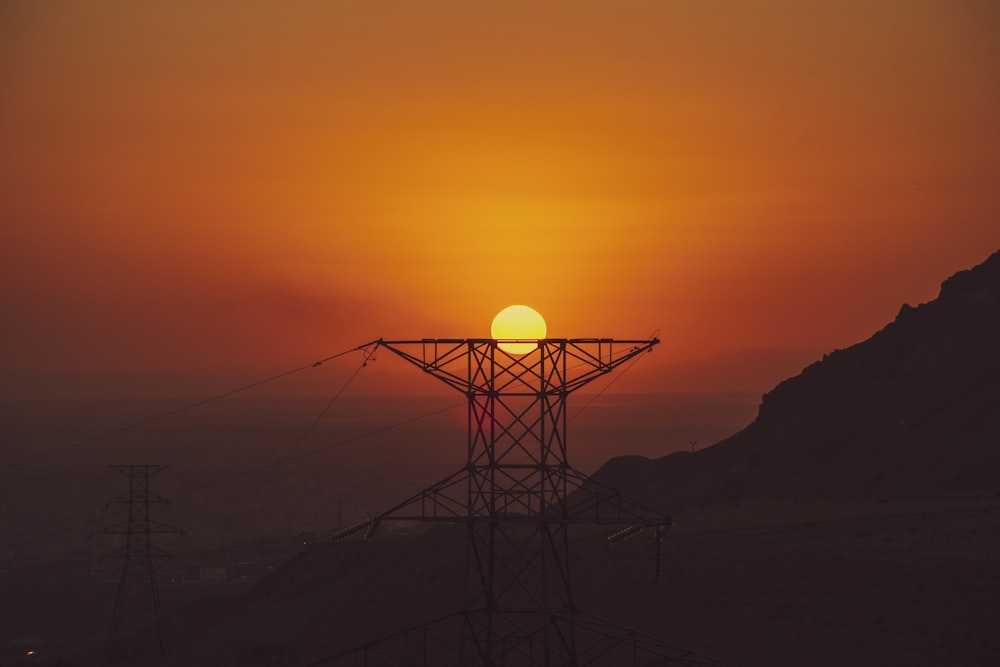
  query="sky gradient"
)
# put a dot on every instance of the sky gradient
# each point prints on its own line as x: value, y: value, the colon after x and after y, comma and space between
x: 188, y: 185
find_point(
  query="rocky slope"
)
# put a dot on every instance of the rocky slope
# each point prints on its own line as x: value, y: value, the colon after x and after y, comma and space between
x: 914, y: 410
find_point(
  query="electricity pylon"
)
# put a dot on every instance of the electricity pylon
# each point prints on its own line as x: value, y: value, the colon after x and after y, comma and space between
x: 136, y: 631
x: 517, y: 497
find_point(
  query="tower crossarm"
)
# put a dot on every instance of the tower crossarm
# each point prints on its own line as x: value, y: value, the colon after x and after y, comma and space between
x: 444, y: 501
x: 482, y: 366
x: 591, y: 502
x: 147, y: 470
x: 586, y: 502
x: 139, y: 493
x: 126, y: 527
x: 147, y: 551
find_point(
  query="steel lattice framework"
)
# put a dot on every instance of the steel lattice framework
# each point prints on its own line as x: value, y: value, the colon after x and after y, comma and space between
x: 517, y: 497
x: 136, y: 631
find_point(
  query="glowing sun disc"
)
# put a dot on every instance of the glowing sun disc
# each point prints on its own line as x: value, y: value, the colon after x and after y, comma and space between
x: 518, y: 323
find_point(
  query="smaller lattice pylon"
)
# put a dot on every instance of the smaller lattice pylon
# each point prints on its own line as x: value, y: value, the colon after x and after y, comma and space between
x: 136, y: 631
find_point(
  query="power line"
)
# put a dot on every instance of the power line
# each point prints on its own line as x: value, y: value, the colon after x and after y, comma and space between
x: 333, y: 445
x: 368, y: 356
x: 615, y: 379
x: 170, y: 413
x: 257, y: 469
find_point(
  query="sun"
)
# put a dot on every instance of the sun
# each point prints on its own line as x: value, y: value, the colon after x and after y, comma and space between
x: 518, y: 323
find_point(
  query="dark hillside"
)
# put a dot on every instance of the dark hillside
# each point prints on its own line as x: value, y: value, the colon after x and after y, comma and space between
x: 914, y: 410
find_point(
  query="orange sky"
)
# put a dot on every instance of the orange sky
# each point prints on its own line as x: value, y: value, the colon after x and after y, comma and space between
x: 192, y: 184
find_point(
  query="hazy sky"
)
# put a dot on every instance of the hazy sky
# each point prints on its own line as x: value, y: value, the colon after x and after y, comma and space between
x: 185, y: 184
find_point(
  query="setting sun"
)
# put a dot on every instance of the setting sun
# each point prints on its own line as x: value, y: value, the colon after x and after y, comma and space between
x: 519, y: 323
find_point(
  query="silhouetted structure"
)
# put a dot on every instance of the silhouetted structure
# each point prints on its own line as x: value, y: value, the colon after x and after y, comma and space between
x: 517, y: 497
x: 136, y: 632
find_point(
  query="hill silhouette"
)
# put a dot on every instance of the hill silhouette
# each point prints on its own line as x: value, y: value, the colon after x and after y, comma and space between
x: 912, y: 411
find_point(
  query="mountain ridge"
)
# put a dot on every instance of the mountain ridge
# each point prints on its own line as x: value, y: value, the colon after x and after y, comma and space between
x: 911, y: 410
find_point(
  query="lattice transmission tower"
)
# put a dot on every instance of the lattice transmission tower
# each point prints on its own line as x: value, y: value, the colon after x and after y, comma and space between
x: 517, y: 497
x: 136, y: 632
